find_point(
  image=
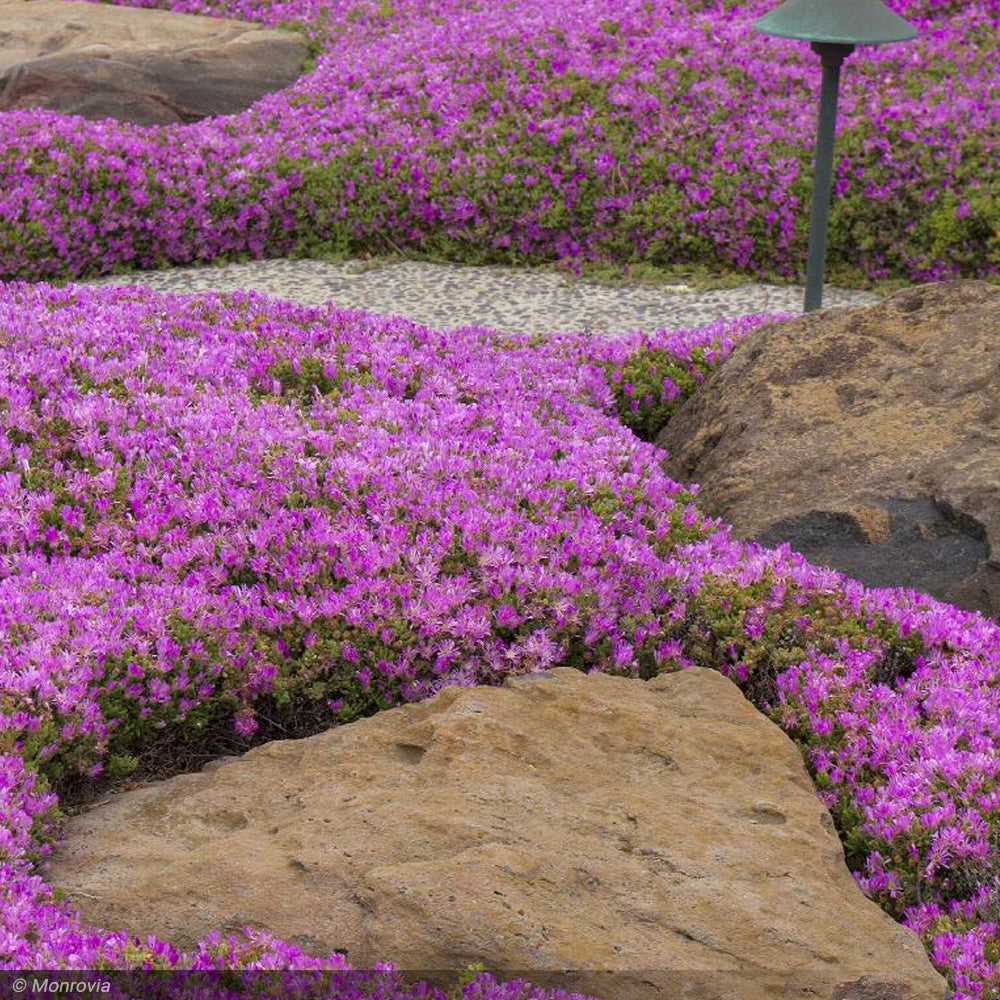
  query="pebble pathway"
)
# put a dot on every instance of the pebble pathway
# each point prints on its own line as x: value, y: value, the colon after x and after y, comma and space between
x: 512, y: 300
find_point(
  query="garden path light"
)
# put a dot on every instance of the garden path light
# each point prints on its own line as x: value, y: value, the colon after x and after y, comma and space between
x: 834, y: 27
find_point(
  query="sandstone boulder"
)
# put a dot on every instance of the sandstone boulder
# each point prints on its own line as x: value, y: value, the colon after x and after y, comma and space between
x: 867, y: 438
x: 145, y: 66
x: 661, y: 839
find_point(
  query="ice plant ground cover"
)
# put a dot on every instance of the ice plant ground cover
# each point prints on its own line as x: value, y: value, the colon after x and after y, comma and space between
x: 222, y: 509
x: 633, y: 131
x: 219, y: 511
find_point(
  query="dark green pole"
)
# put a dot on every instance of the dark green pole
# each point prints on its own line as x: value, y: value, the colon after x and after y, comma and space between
x: 831, y: 56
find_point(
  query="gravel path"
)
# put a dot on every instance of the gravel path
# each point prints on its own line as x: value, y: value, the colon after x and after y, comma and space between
x: 513, y: 300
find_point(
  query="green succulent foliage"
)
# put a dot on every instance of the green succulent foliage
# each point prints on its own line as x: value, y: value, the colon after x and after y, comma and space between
x: 643, y: 379
x: 714, y: 630
x: 464, y: 978
x: 953, y: 215
x: 302, y: 379
x: 849, y: 822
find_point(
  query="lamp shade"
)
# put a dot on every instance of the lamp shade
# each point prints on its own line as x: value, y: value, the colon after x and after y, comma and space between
x: 843, y: 22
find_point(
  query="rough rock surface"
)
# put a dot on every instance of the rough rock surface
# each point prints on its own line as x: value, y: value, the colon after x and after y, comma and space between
x: 145, y: 66
x: 867, y: 438
x: 664, y: 829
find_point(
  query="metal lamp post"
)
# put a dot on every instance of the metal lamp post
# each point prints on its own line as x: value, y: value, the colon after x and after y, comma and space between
x: 833, y: 27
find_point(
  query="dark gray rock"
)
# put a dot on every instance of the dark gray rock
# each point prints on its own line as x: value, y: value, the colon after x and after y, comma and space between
x: 867, y: 438
x: 924, y: 543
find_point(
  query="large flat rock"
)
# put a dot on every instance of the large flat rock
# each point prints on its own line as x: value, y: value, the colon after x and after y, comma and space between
x: 145, y: 66
x: 868, y: 439
x: 663, y: 830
